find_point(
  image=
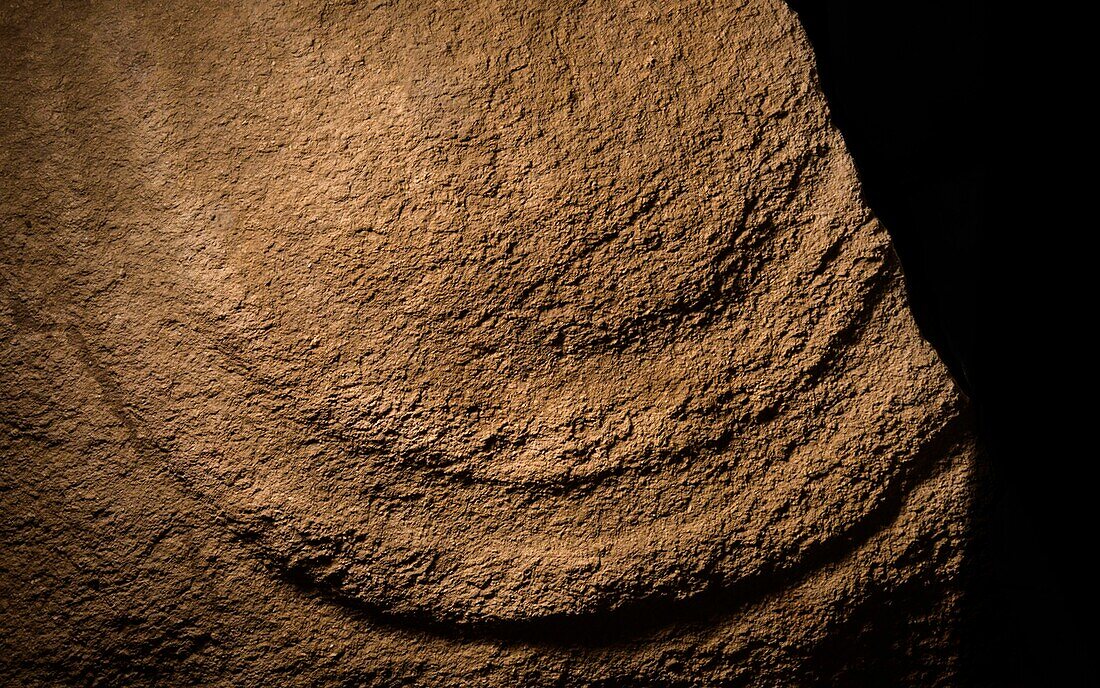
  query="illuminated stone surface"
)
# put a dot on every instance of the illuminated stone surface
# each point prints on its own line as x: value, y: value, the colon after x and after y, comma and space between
x: 476, y: 343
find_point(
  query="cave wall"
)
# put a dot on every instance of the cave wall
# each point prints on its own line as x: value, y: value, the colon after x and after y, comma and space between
x: 480, y: 344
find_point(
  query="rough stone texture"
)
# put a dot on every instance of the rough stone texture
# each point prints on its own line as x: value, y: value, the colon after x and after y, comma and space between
x: 478, y: 344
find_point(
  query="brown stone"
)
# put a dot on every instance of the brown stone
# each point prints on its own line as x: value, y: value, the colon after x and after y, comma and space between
x: 456, y: 344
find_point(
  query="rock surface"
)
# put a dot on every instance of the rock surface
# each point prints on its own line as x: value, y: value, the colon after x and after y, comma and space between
x: 456, y: 344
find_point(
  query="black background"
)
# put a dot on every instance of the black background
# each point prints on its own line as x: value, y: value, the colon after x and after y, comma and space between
x: 907, y: 87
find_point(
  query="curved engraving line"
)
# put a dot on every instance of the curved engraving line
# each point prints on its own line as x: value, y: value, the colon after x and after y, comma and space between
x: 599, y: 626
x: 644, y: 617
x: 874, y: 291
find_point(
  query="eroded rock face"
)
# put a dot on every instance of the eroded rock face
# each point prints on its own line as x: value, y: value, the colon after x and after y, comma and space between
x: 557, y: 338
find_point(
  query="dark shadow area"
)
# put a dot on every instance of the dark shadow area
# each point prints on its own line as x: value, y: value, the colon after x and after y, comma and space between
x: 905, y: 84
